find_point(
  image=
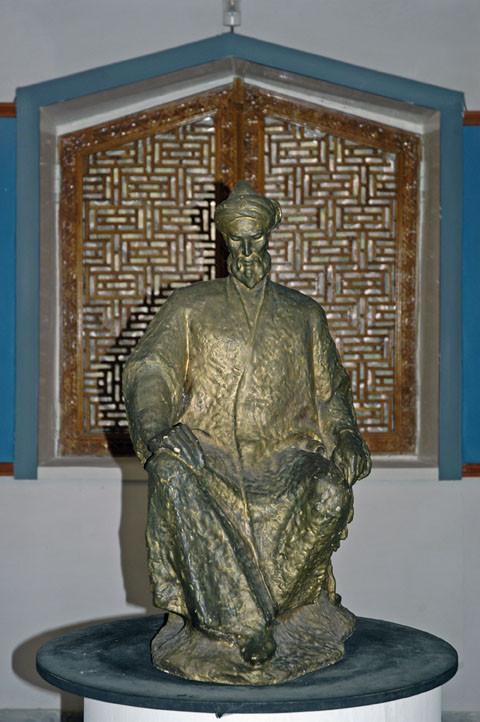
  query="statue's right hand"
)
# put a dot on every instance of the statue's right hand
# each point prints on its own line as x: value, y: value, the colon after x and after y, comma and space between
x: 181, y: 440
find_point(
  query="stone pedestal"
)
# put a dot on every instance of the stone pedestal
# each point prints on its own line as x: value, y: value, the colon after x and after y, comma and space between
x: 389, y: 672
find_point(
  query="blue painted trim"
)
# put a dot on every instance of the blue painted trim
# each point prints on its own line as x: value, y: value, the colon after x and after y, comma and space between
x: 29, y: 101
x: 450, y: 389
x: 246, y: 48
x: 471, y: 295
x: 27, y: 291
x: 7, y: 286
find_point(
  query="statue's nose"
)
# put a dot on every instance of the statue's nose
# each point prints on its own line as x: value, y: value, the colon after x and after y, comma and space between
x: 246, y: 247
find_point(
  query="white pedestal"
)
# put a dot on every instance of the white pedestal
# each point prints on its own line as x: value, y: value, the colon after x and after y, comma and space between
x: 424, y: 707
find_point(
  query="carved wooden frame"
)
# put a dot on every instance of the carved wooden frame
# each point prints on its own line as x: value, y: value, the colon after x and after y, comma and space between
x: 239, y: 113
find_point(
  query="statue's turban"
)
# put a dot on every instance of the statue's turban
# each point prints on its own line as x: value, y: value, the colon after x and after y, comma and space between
x: 244, y: 202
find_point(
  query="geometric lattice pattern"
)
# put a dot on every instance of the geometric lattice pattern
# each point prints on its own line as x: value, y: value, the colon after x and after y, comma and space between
x: 147, y: 215
x: 336, y: 243
x: 136, y: 221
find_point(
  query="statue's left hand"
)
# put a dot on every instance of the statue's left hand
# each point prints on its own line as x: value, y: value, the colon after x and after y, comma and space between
x: 351, y: 456
x: 182, y: 441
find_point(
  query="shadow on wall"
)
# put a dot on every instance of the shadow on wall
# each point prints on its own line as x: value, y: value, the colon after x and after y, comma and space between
x: 133, y: 551
x: 23, y: 664
x: 135, y: 493
x: 111, y: 413
x: 136, y: 584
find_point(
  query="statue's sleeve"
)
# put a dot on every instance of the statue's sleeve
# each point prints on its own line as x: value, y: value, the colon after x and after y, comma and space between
x: 153, y: 377
x: 332, y: 384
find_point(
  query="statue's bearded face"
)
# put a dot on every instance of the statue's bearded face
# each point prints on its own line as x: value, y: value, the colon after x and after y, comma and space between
x: 247, y: 241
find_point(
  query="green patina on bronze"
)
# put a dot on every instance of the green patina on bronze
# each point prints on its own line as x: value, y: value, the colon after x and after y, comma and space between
x: 242, y: 412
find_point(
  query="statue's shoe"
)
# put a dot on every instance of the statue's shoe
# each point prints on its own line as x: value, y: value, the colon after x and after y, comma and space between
x: 259, y: 648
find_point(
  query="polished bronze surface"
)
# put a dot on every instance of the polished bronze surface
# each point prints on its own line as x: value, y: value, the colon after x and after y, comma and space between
x: 241, y: 411
x: 136, y: 221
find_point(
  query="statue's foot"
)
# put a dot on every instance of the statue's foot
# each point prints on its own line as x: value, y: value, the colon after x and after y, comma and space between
x: 259, y: 648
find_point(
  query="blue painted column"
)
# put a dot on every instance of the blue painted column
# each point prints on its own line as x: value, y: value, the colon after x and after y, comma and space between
x: 471, y: 296
x: 7, y: 286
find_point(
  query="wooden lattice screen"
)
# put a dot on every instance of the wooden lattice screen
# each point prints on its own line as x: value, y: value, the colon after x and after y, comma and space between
x: 137, y: 203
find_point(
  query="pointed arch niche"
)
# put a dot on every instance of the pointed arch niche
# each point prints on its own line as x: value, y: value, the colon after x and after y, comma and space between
x: 129, y: 178
x: 138, y: 176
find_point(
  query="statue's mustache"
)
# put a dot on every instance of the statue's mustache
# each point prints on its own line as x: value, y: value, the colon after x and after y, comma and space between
x: 256, y: 263
x: 251, y: 258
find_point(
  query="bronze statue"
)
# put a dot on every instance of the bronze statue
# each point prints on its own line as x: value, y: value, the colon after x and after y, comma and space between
x: 241, y: 411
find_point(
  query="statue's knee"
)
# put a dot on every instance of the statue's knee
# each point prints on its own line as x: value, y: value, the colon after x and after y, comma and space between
x: 334, y: 498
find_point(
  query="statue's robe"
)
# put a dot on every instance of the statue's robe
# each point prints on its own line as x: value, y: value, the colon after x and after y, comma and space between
x: 257, y: 378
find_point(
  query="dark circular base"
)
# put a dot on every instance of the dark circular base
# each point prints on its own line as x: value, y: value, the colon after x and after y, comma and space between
x: 111, y: 662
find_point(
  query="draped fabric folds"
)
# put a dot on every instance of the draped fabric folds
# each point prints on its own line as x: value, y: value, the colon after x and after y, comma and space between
x: 256, y: 377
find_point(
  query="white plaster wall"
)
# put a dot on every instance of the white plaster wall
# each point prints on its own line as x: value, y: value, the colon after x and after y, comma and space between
x: 73, y: 552
x: 434, y: 41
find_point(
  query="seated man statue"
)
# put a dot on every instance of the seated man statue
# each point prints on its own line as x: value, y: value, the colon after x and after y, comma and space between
x: 241, y: 411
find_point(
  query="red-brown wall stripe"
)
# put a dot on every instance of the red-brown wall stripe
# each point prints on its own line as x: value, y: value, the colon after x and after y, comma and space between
x: 471, y: 470
x: 7, y: 110
x: 471, y: 117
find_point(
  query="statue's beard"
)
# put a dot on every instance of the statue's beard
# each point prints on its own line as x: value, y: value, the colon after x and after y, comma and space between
x: 249, y: 272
